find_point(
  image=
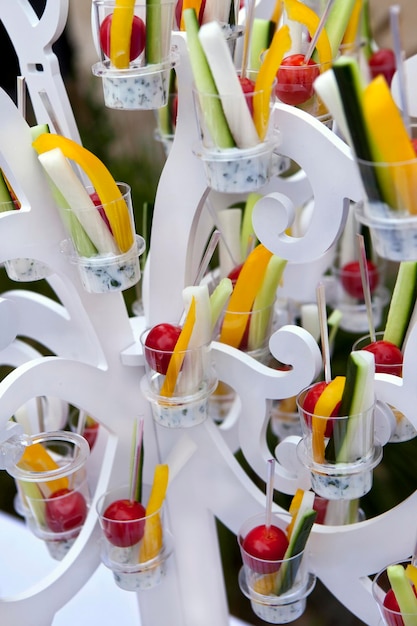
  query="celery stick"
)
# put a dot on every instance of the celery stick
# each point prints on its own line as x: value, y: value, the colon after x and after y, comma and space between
x: 337, y: 22
x: 74, y: 192
x: 247, y: 234
x: 233, y: 99
x: 154, y: 34
x: 404, y: 594
x: 204, y: 82
x: 229, y: 221
x: 219, y: 298
x: 265, y: 298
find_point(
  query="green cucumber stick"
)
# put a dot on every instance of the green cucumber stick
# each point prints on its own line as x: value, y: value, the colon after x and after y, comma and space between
x: 165, y: 113
x: 402, y: 304
x: 264, y: 300
x: 247, y: 234
x: 214, y: 117
x: 404, y: 594
x: 262, y: 33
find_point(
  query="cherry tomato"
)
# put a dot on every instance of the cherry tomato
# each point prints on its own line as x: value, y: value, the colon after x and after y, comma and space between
x: 295, y: 79
x: 65, y: 509
x: 248, y: 87
x: 350, y: 277
x: 320, y: 505
x: 137, y: 38
x: 234, y: 273
x: 414, y: 144
x: 159, y: 345
x: 90, y: 433
x: 124, y: 522
x: 97, y: 202
x: 388, y: 357
x: 382, y: 62
x: 265, y: 544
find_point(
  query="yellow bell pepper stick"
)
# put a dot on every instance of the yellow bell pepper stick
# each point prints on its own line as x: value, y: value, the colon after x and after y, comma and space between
x: 240, y: 304
x: 293, y: 510
x: 390, y: 143
x: 178, y: 354
x: 299, y: 12
x: 152, y: 540
x: 325, y: 405
x: 36, y: 458
x: 281, y: 42
x: 120, y: 33
x: 114, y: 205
x: 352, y: 29
x: 190, y: 4
x: 277, y: 11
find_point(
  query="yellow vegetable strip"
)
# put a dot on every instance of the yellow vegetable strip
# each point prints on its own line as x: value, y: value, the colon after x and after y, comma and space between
x: 325, y: 405
x: 390, y: 143
x: 277, y: 11
x: 36, y: 458
x: 240, y: 304
x: 114, y: 205
x: 178, y: 354
x: 151, y: 543
x: 293, y: 510
x: 299, y: 12
x: 120, y: 33
x: 352, y: 29
x: 280, y: 44
x: 189, y: 4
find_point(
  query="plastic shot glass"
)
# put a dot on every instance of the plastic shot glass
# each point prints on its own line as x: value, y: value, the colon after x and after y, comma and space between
x: 383, y: 595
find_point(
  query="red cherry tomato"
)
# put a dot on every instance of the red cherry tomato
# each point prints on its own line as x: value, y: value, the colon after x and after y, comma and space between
x: 90, y: 433
x: 265, y: 544
x: 388, y: 357
x: 159, y: 345
x: 248, y: 87
x: 124, y: 522
x: 97, y: 202
x: 234, y: 273
x: 382, y: 62
x: 350, y: 277
x: 414, y: 144
x: 65, y: 509
x: 295, y: 79
x: 137, y: 38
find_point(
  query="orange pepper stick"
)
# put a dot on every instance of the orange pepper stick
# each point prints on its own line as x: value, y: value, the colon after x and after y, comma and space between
x: 325, y: 405
x: 36, y: 458
x: 240, y: 304
x: 151, y: 543
x: 281, y: 42
x: 178, y: 355
x: 101, y: 179
x: 190, y: 4
x: 120, y: 33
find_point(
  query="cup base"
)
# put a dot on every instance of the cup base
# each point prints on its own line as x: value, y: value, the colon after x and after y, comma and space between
x: 393, y: 237
x: 238, y: 170
x: 277, y: 609
x: 26, y: 270
x: 106, y: 273
x: 341, y: 481
x: 139, y: 581
x: 136, y: 88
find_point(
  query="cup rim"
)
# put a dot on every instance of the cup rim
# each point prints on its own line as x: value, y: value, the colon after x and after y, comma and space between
x: 73, y: 465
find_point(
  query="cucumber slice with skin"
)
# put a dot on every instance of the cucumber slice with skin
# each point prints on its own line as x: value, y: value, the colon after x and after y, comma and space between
x: 6, y: 200
x: 304, y: 521
x: 262, y: 33
x: 213, y: 112
x: 346, y: 443
x: 402, y: 304
x: 350, y: 84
